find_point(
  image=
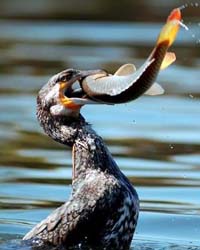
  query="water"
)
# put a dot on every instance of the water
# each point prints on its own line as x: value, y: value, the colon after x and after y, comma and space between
x: 155, y: 140
x: 194, y: 34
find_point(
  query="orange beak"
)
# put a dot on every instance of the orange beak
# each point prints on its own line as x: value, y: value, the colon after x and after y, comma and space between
x: 65, y: 101
x: 74, y: 103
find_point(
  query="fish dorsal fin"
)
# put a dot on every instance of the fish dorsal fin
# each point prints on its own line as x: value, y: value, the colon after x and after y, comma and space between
x: 155, y: 89
x: 125, y: 69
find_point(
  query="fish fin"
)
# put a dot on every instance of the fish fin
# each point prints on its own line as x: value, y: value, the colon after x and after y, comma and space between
x: 155, y: 89
x: 170, y: 29
x: 125, y: 69
x: 169, y: 58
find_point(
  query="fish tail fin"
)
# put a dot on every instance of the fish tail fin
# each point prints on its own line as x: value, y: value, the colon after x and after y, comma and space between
x: 171, y: 28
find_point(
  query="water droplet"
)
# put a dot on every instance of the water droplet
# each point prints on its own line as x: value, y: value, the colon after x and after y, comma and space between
x: 183, y: 25
x: 189, y: 5
x: 182, y: 7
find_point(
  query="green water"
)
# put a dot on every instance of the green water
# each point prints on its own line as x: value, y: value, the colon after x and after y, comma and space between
x: 155, y: 140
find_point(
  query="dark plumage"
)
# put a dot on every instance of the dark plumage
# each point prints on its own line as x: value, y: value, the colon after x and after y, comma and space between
x: 103, y: 208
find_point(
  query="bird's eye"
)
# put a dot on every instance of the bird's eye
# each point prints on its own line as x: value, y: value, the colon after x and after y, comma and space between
x: 65, y: 78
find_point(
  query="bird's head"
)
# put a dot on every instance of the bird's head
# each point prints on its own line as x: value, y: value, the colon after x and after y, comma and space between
x: 63, y: 94
x: 59, y: 102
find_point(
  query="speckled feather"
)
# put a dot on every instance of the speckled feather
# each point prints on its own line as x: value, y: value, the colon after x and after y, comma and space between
x: 103, y: 208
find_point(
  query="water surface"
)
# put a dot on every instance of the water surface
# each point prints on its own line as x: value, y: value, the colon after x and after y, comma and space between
x: 155, y: 140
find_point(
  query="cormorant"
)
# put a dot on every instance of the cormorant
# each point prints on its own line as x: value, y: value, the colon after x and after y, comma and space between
x: 103, y: 208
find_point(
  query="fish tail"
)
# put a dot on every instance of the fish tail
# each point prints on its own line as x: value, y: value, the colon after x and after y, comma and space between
x: 171, y: 28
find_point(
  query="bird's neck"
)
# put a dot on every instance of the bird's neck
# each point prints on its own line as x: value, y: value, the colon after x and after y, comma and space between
x: 89, y: 151
x: 62, y: 129
x: 91, y: 154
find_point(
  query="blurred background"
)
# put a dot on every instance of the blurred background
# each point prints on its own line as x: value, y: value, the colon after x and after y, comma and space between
x: 155, y: 140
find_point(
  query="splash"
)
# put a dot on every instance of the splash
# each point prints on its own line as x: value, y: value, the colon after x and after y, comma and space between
x: 186, y: 5
x: 182, y: 24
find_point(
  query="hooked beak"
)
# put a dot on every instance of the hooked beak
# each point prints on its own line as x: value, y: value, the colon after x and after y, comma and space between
x: 71, y: 95
x: 86, y: 73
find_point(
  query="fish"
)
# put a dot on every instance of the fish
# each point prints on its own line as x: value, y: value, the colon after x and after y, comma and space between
x: 127, y: 83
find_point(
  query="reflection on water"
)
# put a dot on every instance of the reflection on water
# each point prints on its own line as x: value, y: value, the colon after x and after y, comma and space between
x: 155, y: 140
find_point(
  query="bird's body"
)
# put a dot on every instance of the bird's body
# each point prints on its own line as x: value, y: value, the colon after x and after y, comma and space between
x: 103, y: 208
